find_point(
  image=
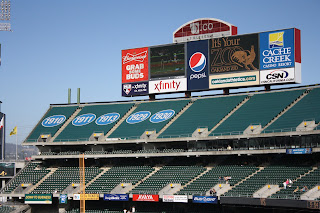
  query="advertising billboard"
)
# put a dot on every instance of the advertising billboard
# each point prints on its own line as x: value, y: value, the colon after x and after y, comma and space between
x: 116, y: 197
x: 205, y: 199
x: 203, y: 28
x: 135, y: 65
x: 277, y: 76
x: 175, y: 198
x: 198, y: 65
x: 38, y: 199
x: 299, y: 151
x: 257, y: 59
x: 168, y: 86
x: 277, y: 49
x: 236, y: 53
x: 7, y: 169
x: 241, y: 79
x: 135, y: 89
x: 145, y: 197
x: 167, y: 61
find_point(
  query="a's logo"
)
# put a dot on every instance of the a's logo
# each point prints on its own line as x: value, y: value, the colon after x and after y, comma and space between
x: 135, y: 57
x: 197, y: 62
x: 127, y: 88
x: 276, y: 40
x: 107, y: 118
x: 83, y: 119
x: 53, y: 120
x: 138, y: 117
x: 194, y: 28
x: 162, y: 116
x: 276, y: 74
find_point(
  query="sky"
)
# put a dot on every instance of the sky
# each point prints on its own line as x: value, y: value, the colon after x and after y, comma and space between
x: 59, y: 44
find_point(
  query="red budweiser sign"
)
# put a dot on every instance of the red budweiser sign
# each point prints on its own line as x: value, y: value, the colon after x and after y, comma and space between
x: 135, y: 65
x: 204, y: 28
x: 150, y: 198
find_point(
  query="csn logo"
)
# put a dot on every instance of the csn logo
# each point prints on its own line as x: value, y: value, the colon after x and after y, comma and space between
x: 197, y: 63
x: 279, y: 74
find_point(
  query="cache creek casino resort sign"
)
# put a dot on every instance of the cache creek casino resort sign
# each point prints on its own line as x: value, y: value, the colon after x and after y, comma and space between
x: 207, y: 55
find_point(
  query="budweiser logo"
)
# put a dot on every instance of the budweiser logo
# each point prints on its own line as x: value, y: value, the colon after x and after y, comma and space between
x: 137, y: 57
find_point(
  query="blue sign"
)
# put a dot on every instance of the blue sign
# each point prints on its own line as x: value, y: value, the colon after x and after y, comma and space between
x: 198, y: 65
x: 138, y: 117
x: 53, y: 120
x: 277, y: 49
x: 116, y: 197
x: 299, y: 151
x: 107, y: 118
x: 83, y: 119
x: 63, y: 199
x: 134, y: 89
x: 162, y: 116
x: 205, y: 199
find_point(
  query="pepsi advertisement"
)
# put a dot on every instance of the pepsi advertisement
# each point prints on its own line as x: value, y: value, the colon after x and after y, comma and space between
x: 277, y: 49
x: 198, y: 66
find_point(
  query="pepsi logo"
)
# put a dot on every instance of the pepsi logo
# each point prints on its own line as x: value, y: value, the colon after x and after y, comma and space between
x: 197, y: 62
x: 138, y: 117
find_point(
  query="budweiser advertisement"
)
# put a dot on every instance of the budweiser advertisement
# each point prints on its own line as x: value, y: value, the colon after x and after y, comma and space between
x: 203, y: 28
x: 135, y: 65
x: 150, y: 198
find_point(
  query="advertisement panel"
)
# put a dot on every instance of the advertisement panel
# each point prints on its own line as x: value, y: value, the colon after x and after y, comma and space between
x: 87, y: 196
x: 175, y: 198
x: 236, y: 53
x: 277, y: 76
x: 205, y: 199
x: 167, y: 61
x: 234, y: 80
x: 135, y: 89
x: 38, y: 199
x: 7, y: 169
x: 203, y: 28
x: 135, y: 65
x: 277, y: 49
x: 198, y: 65
x: 63, y: 199
x: 150, y: 198
x: 116, y: 197
x: 167, y: 86
x: 298, y: 151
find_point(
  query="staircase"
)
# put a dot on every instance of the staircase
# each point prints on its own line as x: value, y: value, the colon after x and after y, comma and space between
x: 200, y: 175
x: 286, y: 109
x: 229, y: 114
x: 104, y: 170
x: 146, y: 177
x: 121, y: 120
x: 175, y: 118
x: 66, y: 123
x: 43, y: 179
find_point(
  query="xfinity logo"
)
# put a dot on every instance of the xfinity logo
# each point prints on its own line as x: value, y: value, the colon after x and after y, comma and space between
x: 167, y: 85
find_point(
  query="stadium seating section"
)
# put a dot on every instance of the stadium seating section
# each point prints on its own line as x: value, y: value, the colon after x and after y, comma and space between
x: 126, y: 130
x: 308, y: 108
x: 260, y: 109
x: 82, y: 133
x: 67, y: 111
x: 31, y: 174
x: 205, y: 112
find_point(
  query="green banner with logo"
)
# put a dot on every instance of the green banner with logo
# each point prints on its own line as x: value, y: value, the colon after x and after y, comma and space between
x: 38, y: 199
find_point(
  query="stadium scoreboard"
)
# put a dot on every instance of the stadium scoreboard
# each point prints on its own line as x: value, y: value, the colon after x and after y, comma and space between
x: 233, y: 61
